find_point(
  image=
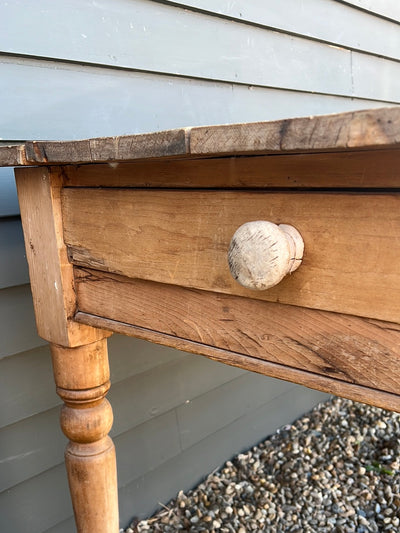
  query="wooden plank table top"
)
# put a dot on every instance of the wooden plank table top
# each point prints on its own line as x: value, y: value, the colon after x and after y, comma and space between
x: 366, y: 130
x: 137, y: 234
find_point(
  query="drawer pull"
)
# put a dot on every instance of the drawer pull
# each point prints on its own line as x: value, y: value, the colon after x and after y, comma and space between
x: 262, y: 253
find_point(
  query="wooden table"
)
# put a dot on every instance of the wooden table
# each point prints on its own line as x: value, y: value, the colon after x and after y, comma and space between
x: 131, y: 234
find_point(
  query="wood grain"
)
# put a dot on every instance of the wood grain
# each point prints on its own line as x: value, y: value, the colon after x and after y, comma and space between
x: 366, y: 129
x: 377, y: 128
x: 318, y: 349
x: 357, y: 393
x: 182, y: 237
x: 358, y: 169
x: 50, y: 272
x: 12, y: 156
x: 82, y: 376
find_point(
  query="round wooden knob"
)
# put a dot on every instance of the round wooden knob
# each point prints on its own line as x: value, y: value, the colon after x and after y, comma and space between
x: 261, y: 254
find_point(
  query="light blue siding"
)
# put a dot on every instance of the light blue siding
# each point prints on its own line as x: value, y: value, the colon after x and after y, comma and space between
x: 126, y: 35
x: 13, y: 265
x: 324, y: 20
x: 386, y: 8
x: 8, y: 193
x: 143, y: 102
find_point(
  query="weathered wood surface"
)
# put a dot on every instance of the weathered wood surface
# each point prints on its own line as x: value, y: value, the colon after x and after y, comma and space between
x: 82, y: 376
x: 51, y: 276
x: 12, y: 156
x: 379, y: 128
x: 366, y: 129
x: 358, y: 169
x: 261, y: 254
x: 336, y: 353
x: 182, y: 238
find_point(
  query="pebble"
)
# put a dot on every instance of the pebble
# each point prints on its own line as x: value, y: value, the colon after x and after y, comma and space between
x: 334, y: 470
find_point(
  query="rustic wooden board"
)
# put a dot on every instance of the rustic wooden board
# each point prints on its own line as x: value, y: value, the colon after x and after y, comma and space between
x: 362, y: 129
x: 49, y: 270
x: 12, y: 156
x: 371, y: 129
x: 362, y: 169
x: 283, y: 341
x: 182, y: 238
x: 147, y: 145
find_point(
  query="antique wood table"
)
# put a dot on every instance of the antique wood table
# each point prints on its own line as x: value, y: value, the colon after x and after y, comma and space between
x: 194, y: 238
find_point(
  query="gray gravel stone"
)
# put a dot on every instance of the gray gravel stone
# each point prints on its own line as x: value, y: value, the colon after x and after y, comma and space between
x: 337, y: 469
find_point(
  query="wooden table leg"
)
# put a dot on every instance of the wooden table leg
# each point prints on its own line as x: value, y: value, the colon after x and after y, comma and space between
x: 82, y: 379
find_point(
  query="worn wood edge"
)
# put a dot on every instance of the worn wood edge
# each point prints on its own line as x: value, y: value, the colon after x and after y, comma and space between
x: 332, y: 345
x: 12, y: 156
x: 366, y: 129
x: 378, y: 398
x: 354, y: 169
x: 51, y: 275
x: 127, y: 147
x: 344, y: 131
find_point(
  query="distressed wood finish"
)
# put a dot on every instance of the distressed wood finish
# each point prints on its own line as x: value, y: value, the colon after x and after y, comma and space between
x: 79, y: 353
x: 179, y: 237
x: 261, y: 254
x: 371, y: 129
x: 82, y: 377
x: 50, y: 272
x: 340, y: 347
x: 359, y: 169
x: 11, y: 156
x: 152, y: 263
x: 308, y: 379
x: 362, y: 129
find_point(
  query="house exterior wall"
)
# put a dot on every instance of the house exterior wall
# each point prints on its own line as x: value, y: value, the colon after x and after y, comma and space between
x: 80, y: 68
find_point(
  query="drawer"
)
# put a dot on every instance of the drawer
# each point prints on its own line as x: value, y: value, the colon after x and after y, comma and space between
x: 181, y: 237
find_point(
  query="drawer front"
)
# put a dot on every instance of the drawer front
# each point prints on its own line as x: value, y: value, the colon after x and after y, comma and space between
x: 352, y: 242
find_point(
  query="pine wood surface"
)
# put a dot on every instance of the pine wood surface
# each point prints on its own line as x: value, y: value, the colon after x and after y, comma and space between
x: 330, y: 132
x: 82, y: 376
x: 172, y: 245
x: 370, y: 129
x: 358, y: 169
x: 182, y: 238
x: 354, y: 392
x: 11, y: 156
x: 337, y: 346
x: 49, y: 269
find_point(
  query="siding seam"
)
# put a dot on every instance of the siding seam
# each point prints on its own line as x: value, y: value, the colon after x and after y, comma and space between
x: 364, y: 10
x: 232, y: 83
x: 291, y: 33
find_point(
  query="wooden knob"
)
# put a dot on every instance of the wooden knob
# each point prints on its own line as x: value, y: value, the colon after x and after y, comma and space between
x: 261, y: 254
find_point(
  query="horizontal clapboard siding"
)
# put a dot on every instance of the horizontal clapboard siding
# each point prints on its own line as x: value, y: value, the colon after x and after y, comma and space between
x: 386, y: 8
x: 166, y: 454
x: 22, y: 458
x: 13, y: 265
x: 128, y: 358
x: 315, y: 19
x: 137, y: 108
x: 17, y: 324
x: 213, y: 451
x: 77, y: 69
x: 127, y: 34
x: 8, y: 193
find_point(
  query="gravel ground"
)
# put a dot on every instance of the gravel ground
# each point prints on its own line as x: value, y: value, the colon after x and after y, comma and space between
x: 336, y: 469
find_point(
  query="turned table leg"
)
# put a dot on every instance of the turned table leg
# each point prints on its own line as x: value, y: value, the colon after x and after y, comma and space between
x: 82, y: 379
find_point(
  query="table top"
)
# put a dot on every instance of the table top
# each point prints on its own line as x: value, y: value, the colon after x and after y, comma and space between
x: 359, y: 130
